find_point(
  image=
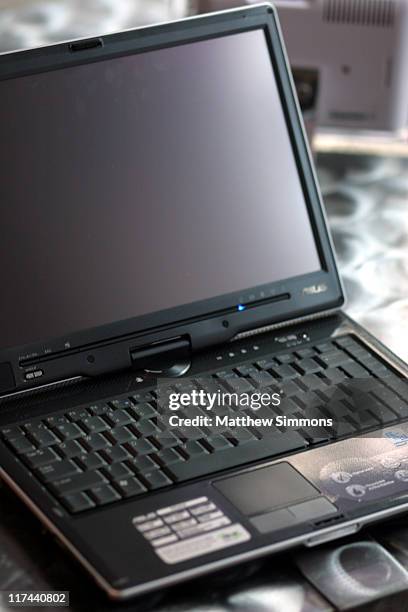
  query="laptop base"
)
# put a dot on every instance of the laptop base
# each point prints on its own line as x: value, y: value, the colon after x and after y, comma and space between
x: 305, y: 496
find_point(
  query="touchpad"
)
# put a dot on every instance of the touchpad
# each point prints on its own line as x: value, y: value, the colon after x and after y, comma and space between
x: 266, y: 489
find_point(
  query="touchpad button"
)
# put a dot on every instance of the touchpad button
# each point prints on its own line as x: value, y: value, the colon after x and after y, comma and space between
x: 266, y: 489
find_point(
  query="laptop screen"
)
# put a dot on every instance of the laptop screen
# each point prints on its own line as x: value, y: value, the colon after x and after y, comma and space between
x: 145, y: 182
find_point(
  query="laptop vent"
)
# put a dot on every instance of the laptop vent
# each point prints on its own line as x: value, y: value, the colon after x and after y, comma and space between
x: 379, y: 13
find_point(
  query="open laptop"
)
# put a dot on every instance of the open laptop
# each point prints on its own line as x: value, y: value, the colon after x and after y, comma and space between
x: 164, y: 256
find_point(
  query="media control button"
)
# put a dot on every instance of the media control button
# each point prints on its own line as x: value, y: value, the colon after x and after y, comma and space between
x: 356, y: 490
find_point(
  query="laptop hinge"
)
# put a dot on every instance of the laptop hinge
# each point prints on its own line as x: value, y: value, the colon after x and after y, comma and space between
x: 169, y: 357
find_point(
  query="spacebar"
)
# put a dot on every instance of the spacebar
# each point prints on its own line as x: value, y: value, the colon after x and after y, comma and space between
x: 238, y: 455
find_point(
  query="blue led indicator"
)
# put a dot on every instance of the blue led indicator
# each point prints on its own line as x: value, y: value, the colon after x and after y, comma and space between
x: 241, y: 307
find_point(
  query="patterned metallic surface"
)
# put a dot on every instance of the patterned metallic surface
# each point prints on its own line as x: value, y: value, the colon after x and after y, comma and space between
x: 366, y: 199
x: 30, y: 23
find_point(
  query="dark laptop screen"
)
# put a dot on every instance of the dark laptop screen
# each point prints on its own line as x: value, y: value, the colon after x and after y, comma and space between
x: 144, y: 182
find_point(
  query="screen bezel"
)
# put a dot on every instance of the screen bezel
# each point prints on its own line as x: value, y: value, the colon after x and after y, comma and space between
x: 189, y: 319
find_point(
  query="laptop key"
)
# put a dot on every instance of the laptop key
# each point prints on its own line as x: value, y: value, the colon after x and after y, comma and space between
x: 383, y: 414
x: 375, y: 366
x: 334, y: 359
x: 337, y: 409
x: 346, y: 341
x: 115, y: 454
x: 265, y: 364
x: 341, y: 429
x: 285, y: 371
x: 400, y: 407
x: 195, y: 433
x: 397, y: 384
x: 143, y: 396
x: 59, y: 419
x: 22, y: 445
x: 287, y: 388
x: 334, y: 376
x: 121, y: 404
x: 268, y: 429
x: 239, y: 385
x: 143, y: 411
x: 285, y: 358
x: 231, y: 457
x: 43, y: 456
x: 78, y: 482
x: 104, y: 494
x: 217, y: 442
x: 140, y: 447
x: 130, y: 487
x: 120, y: 417
x: 70, y: 449
x: 311, y: 382
x: 316, y: 435
x: 144, y: 463
x: 156, y: 479
x: 325, y: 347
x: 91, y: 461
x: 209, y: 384
x: 116, y: 471
x: 58, y: 470
x: 392, y: 400
x: 194, y: 448
x: 165, y: 439
x: 355, y: 370
x: 94, y: 424
x: 11, y: 432
x: 287, y: 406
x: 121, y: 435
x: 241, y: 435
x: 78, y: 502
x: 168, y: 456
x: 78, y: 414
x: 224, y: 375
x: 147, y: 428
x: 95, y: 442
x: 44, y: 437
x: 98, y: 409
x: 262, y: 379
x: 69, y: 431
x: 365, y: 420
x: 308, y: 366
x: 305, y: 353
x: 244, y: 370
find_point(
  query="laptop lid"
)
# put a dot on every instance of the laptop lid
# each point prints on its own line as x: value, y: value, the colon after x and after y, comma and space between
x: 156, y: 185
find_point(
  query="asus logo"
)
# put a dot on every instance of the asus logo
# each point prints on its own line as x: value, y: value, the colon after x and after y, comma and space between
x: 314, y: 289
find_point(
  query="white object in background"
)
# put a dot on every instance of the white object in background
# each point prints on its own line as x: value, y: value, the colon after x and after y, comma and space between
x: 350, y: 59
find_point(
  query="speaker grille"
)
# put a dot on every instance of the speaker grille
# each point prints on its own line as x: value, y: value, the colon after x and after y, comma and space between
x: 380, y: 13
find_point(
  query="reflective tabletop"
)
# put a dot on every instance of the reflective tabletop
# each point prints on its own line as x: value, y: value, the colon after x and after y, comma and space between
x: 366, y: 199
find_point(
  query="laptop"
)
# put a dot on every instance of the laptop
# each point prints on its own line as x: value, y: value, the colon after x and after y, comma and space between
x: 180, y: 389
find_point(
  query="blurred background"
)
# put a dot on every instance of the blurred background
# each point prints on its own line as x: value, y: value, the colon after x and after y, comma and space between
x: 350, y: 65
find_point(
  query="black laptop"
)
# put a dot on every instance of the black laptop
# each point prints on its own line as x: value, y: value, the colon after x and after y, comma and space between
x: 165, y: 269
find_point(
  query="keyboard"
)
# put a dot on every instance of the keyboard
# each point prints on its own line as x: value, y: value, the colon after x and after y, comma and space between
x: 121, y: 447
